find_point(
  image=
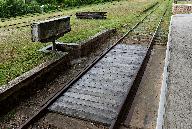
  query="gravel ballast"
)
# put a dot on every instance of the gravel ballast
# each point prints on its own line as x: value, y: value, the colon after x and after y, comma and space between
x: 178, y: 108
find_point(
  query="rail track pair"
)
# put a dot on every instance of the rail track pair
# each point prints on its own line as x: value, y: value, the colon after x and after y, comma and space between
x: 99, y: 95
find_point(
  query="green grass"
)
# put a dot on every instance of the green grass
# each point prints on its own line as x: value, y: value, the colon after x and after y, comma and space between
x: 165, y: 23
x: 18, y: 54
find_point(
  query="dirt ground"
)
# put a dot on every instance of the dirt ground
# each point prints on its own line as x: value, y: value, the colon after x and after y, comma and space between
x: 58, y: 121
x: 143, y: 113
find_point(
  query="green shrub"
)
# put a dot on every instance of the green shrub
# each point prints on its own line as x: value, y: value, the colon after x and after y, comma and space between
x: 33, y: 7
x: 52, y: 2
x: 48, y: 7
x: 12, y: 8
x: 80, y: 2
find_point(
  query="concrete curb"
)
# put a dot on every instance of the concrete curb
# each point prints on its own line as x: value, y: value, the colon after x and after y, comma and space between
x: 30, y: 76
x: 164, y: 88
x: 16, y: 89
x: 91, y: 44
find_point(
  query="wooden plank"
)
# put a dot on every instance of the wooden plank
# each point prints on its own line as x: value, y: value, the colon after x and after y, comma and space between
x: 91, y: 15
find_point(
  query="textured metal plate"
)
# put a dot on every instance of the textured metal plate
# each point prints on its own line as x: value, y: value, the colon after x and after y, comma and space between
x: 99, y: 93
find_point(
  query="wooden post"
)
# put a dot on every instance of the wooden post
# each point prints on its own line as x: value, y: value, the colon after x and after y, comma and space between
x: 54, y: 47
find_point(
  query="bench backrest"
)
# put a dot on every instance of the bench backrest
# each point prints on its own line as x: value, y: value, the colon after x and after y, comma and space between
x: 50, y: 30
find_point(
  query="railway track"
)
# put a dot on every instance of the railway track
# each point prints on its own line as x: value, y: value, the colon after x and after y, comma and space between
x: 140, y: 35
x: 23, y: 24
x: 161, y: 38
x: 100, y: 91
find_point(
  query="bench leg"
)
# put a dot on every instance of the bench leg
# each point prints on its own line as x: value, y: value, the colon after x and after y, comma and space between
x: 54, y: 46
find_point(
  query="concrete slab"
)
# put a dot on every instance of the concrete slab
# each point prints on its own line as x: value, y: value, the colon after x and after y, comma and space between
x: 99, y: 93
x: 178, y: 110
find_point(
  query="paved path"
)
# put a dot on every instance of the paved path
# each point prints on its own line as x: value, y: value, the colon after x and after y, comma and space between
x: 178, y: 113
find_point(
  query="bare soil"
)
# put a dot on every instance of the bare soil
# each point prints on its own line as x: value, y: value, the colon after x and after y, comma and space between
x: 57, y: 121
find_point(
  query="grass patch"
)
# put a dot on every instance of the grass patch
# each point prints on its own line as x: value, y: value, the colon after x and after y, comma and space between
x: 164, y: 30
x: 18, y: 54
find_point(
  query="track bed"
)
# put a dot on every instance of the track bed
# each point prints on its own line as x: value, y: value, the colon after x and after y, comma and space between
x: 97, y: 95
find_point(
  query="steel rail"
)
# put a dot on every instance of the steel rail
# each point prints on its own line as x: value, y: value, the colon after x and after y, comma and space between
x: 44, y: 109
x: 117, y: 121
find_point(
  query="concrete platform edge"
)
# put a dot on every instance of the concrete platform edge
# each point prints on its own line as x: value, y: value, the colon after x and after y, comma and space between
x: 164, y: 88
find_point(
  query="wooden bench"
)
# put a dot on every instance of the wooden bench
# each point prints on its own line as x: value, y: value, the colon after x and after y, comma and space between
x: 50, y: 30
